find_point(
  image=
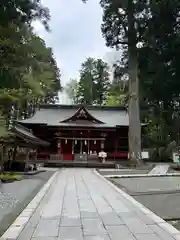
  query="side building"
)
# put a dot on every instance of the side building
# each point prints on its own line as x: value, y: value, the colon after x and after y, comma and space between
x: 77, y: 132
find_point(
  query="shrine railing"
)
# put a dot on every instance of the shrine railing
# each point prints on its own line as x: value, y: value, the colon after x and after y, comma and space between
x: 56, y: 157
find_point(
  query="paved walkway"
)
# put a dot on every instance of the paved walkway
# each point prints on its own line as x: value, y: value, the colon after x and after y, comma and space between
x: 159, y: 169
x: 82, y: 205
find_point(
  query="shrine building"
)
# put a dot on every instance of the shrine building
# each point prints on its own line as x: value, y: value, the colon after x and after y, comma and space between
x: 79, y: 133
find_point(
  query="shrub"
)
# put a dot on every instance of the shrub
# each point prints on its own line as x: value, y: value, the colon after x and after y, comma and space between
x: 153, y: 154
x: 176, y: 166
x: 10, y: 177
x: 162, y: 153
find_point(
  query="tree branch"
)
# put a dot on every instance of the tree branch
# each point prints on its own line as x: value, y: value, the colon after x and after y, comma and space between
x: 122, y: 42
x: 125, y: 29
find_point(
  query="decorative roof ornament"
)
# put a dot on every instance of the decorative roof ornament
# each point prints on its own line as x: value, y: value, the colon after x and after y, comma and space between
x: 58, y: 134
x: 82, y: 114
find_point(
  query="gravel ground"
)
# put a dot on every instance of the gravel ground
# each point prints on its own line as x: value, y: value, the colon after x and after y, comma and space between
x: 15, y: 196
x: 149, y: 184
x: 159, y: 194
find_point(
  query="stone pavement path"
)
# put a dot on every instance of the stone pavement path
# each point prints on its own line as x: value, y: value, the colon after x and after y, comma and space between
x: 80, y: 205
x: 159, y: 169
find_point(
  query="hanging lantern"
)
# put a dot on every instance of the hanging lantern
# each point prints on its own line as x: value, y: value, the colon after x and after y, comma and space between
x: 94, y: 141
x: 75, y: 141
x: 65, y: 141
x: 85, y: 142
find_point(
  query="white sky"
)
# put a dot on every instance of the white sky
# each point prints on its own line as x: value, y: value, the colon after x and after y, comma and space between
x: 76, y: 35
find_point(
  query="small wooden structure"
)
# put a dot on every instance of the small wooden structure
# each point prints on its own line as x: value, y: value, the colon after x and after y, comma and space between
x: 23, y: 141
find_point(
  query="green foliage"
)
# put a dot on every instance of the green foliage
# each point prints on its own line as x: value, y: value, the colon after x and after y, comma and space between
x: 157, y: 37
x: 101, y: 82
x: 29, y: 74
x: 163, y: 153
x: 175, y: 166
x: 71, y: 89
x: 113, y: 100
x: 3, y: 126
x: 20, y: 12
x: 93, y: 85
x: 117, y: 97
x: 10, y: 177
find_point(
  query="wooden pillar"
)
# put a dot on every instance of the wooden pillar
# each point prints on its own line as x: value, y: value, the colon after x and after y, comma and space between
x: 88, y: 145
x: 81, y: 146
x: 35, y: 160
x: 27, y: 159
x: 59, y: 147
x: 116, y: 144
x: 72, y: 146
x: 102, y: 144
x: 115, y: 147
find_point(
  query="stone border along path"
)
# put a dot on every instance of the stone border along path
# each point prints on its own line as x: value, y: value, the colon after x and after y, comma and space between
x: 15, y: 229
x: 141, y: 175
x: 81, y: 204
x: 159, y: 169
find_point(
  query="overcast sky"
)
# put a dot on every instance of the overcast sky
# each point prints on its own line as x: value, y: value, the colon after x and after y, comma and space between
x: 76, y: 34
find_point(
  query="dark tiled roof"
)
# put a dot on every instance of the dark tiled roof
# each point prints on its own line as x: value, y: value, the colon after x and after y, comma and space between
x: 27, y: 135
x: 54, y: 115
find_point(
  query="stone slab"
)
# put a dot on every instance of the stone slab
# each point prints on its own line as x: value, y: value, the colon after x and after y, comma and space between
x: 120, y: 232
x: 90, y: 207
x: 67, y: 233
x: 97, y: 237
x: 93, y: 227
x: 152, y: 236
x: 47, y: 228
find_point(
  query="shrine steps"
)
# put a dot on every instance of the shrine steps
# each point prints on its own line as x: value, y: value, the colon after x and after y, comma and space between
x: 81, y: 164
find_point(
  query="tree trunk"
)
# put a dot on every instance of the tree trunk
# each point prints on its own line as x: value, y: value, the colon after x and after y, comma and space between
x: 134, y: 112
x: 2, y: 158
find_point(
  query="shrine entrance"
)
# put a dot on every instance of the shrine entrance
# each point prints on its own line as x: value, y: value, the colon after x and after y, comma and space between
x: 81, y: 146
x: 77, y: 146
x: 80, y: 150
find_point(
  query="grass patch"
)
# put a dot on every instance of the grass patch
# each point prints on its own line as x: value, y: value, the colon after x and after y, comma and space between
x: 11, y: 177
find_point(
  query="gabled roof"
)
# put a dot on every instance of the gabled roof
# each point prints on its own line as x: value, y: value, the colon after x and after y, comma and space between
x: 59, y: 115
x: 82, y: 114
x: 27, y: 135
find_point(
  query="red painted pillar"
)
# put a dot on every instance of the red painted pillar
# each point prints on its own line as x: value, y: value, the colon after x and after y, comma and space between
x: 59, y: 147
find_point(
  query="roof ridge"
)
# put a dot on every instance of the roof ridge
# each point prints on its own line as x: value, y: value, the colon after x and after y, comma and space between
x: 18, y: 125
x: 77, y: 106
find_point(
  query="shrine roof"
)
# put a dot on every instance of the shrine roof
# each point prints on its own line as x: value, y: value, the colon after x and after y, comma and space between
x: 62, y: 115
x: 27, y: 135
